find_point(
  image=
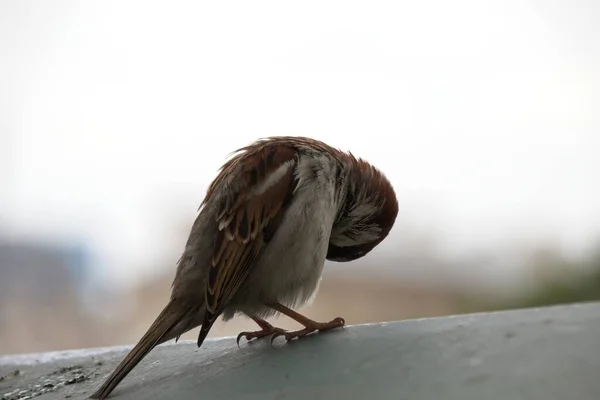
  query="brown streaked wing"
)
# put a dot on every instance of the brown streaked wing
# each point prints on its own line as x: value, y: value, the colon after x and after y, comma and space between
x: 246, y: 214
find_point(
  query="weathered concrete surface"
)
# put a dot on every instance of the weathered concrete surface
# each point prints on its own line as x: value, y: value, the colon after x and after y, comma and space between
x: 549, y: 353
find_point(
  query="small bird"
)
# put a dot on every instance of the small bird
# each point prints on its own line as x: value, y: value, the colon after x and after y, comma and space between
x: 276, y: 211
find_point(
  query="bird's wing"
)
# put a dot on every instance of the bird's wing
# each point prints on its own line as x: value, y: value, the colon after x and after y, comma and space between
x: 253, y: 190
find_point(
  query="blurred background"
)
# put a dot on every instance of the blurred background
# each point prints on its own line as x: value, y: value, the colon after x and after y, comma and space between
x: 116, y: 115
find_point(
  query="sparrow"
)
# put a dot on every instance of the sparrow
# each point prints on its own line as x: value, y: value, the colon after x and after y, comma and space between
x: 276, y: 211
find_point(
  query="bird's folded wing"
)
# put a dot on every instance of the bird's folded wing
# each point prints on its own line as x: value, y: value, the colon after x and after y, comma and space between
x: 259, y: 183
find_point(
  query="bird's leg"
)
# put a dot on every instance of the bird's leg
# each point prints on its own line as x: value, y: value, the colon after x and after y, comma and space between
x: 265, y: 330
x: 310, y: 326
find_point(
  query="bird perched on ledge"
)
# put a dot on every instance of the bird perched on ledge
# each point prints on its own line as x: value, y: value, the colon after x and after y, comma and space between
x: 276, y: 211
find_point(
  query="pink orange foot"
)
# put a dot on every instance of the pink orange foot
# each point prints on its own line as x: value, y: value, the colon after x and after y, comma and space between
x: 311, y: 326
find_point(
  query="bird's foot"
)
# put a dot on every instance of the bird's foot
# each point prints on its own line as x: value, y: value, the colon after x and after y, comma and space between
x: 310, y: 327
x: 266, y: 330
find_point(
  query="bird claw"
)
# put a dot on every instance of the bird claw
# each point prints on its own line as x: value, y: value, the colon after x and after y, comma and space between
x: 317, y: 326
x: 258, y: 334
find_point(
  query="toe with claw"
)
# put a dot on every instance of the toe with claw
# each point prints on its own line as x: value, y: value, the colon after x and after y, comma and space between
x: 266, y: 330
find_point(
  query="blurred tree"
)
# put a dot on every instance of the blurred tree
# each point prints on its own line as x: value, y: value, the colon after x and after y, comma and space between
x: 559, y: 281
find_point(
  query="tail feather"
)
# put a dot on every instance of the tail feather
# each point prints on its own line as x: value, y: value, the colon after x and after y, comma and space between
x: 174, y: 320
x: 209, y: 320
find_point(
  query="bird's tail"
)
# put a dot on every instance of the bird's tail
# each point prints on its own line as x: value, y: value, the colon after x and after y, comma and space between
x: 174, y: 320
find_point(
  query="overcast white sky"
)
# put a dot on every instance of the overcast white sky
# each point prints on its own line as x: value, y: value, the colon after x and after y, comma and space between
x: 115, y: 115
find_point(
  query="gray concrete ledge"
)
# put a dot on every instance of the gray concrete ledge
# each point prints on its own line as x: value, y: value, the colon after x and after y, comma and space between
x: 546, y: 353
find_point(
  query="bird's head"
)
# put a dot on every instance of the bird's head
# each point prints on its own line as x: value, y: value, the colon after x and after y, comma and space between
x: 367, y: 211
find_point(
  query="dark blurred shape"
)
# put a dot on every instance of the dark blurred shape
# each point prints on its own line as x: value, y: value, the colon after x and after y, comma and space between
x: 558, y: 280
x: 41, y: 273
x: 40, y: 286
